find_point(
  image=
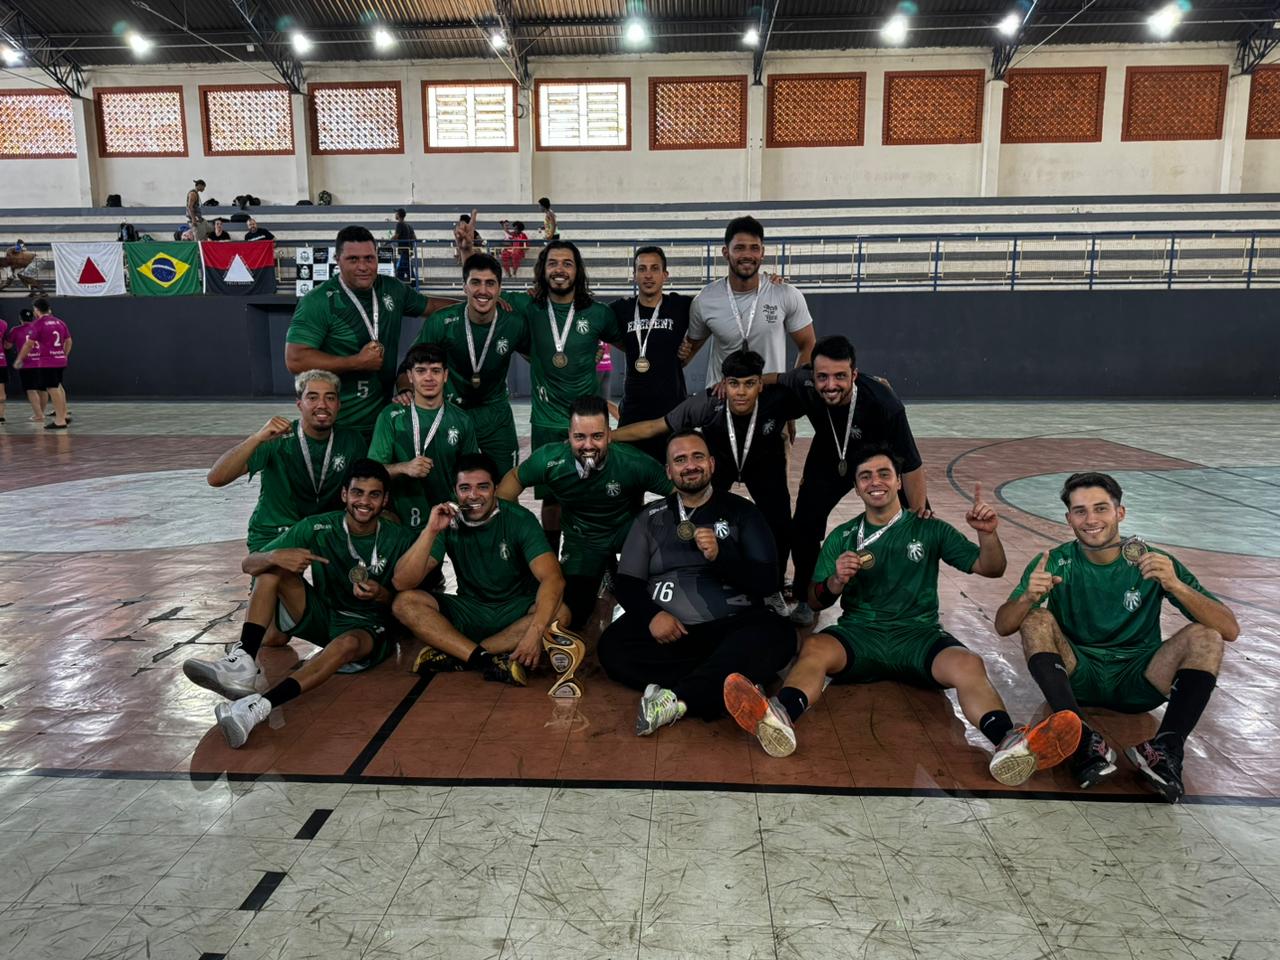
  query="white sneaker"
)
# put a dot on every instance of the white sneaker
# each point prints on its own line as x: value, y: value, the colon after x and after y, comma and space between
x: 233, y: 676
x: 762, y: 717
x: 658, y: 707
x: 239, y: 717
x: 777, y: 604
x: 802, y: 615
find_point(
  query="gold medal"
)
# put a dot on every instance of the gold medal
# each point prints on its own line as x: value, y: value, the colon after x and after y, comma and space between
x: 642, y: 365
x: 475, y: 380
x: 866, y: 559
x: 685, y: 530
x: 560, y: 359
x: 1133, y: 549
x: 358, y: 574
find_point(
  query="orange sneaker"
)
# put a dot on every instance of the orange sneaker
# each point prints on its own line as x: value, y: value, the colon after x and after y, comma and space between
x: 1025, y: 750
x: 760, y: 716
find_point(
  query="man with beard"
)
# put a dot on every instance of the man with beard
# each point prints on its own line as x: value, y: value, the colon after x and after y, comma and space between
x: 882, y: 567
x: 480, y: 340
x: 601, y: 486
x: 420, y: 442
x: 694, y: 572
x: 742, y: 311
x: 509, y: 583
x: 1098, y: 643
x: 350, y: 325
x: 848, y: 412
x: 356, y: 564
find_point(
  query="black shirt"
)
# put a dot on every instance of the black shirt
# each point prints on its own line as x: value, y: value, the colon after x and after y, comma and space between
x: 659, y: 571
x: 878, y: 417
x: 259, y: 234
x: 776, y: 405
x: 223, y: 236
x: 404, y: 232
x: 650, y: 395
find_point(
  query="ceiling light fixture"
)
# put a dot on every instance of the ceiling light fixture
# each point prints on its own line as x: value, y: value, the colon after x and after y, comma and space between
x: 301, y: 42
x: 12, y: 55
x: 498, y: 40
x: 1010, y: 25
x: 752, y: 37
x: 635, y: 33
x: 1165, y: 20
x: 138, y: 43
x: 895, y: 29
x: 382, y: 39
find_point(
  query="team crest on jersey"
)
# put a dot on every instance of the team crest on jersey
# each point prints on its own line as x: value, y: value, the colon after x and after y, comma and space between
x: 339, y: 462
x: 856, y: 433
x: 453, y: 436
x: 722, y: 529
x: 584, y: 326
x: 504, y: 551
x: 1132, y: 600
x: 915, y: 551
x: 388, y: 301
x: 378, y: 566
x: 503, y: 346
x: 613, y: 488
x: 768, y: 427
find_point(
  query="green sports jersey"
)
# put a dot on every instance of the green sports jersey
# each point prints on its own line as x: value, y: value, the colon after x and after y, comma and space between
x: 492, y: 561
x: 1106, y: 606
x: 326, y: 320
x: 448, y: 327
x: 599, y: 508
x: 412, y: 499
x: 287, y: 493
x: 324, y: 536
x: 555, y: 388
x: 901, y: 589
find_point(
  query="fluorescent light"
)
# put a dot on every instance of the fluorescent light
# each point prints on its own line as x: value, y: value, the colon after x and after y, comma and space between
x: 498, y: 40
x: 752, y: 37
x: 635, y: 32
x: 895, y: 29
x: 301, y: 42
x: 139, y: 44
x: 1009, y: 25
x: 1165, y: 20
x: 11, y: 55
x: 382, y: 39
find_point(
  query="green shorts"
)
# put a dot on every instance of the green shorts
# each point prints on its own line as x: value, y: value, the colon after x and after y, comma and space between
x: 478, y: 620
x: 540, y: 437
x: 320, y: 626
x: 581, y: 558
x: 876, y: 655
x: 1103, y: 679
x: 496, y: 435
x: 259, y: 536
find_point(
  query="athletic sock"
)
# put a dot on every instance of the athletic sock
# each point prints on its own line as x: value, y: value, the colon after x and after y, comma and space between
x: 1050, y: 674
x: 479, y: 659
x: 283, y: 692
x: 1187, y: 699
x: 793, y: 701
x: 251, y: 639
x: 995, y: 725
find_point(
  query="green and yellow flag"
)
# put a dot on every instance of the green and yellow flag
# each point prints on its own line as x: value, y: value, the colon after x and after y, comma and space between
x: 163, y: 269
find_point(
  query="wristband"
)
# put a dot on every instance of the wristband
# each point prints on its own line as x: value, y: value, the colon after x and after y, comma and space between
x: 823, y: 594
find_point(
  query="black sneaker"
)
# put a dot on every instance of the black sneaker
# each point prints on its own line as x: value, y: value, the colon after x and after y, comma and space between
x: 1093, y: 760
x: 1160, y: 765
x: 505, y: 670
x: 431, y: 660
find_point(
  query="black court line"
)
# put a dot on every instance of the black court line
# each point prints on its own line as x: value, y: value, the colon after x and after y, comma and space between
x: 314, y: 822
x: 388, y: 727
x: 259, y: 895
x: 212, y: 956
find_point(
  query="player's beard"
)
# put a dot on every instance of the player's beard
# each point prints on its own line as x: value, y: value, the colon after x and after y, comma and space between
x: 691, y: 485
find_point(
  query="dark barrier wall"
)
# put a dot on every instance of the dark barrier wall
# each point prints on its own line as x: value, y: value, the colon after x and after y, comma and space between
x: 1109, y: 343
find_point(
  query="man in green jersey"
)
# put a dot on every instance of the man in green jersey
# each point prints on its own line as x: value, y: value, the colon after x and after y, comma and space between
x: 420, y: 442
x: 565, y: 327
x: 356, y: 564
x: 1098, y: 642
x: 302, y: 462
x: 602, y: 487
x: 883, y: 568
x: 350, y: 325
x: 480, y: 339
x: 509, y: 583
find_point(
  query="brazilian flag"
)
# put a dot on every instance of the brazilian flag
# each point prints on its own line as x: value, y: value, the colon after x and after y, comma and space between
x: 163, y: 269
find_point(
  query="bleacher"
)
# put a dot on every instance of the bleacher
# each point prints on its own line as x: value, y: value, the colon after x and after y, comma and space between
x: 837, y: 245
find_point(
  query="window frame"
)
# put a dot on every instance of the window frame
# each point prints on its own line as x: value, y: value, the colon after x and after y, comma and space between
x: 106, y: 154
x: 39, y: 92
x: 313, y: 122
x: 209, y: 151
x: 740, y: 82
x: 426, y: 115
x: 859, y: 141
x: 625, y: 82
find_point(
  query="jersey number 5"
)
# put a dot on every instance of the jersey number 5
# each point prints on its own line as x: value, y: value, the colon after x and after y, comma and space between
x: 362, y: 389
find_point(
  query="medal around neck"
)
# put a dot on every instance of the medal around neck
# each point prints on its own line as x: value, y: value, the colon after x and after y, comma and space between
x: 359, y: 573
x: 685, y: 529
x: 1133, y: 549
x: 560, y: 359
x: 642, y: 365
x: 866, y: 559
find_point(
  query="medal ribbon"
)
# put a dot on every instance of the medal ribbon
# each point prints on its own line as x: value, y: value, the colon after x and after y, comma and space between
x: 686, y: 514
x: 560, y: 338
x: 306, y: 458
x: 842, y: 448
x: 733, y: 437
x: 351, y: 547
x: 419, y: 447
x: 868, y: 541
x: 737, y: 314
x: 471, y: 344
x: 371, y: 327
x: 643, y: 342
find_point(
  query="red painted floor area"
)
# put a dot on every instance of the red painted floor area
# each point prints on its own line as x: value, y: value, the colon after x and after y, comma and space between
x: 92, y: 645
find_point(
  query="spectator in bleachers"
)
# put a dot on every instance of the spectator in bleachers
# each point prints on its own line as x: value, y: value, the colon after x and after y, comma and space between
x: 256, y: 232
x: 219, y: 231
x: 517, y: 244
x: 464, y: 236
x: 24, y: 266
x: 550, y: 231
x: 199, y: 226
x: 405, y: 237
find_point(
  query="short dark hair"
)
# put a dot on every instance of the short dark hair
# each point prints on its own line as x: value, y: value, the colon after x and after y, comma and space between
x: 589, y: 406
x: 41, y: 304
x: 519, y: 225
x: 655, y: 251
x: 218, y: 220
x: 25, y: 315
x: 465, y: 218
x: 198, y: 183
x: 544, y: 203
x: 834, y: 347
x: 351, y: 234
x: 426, y: 353
x: 748, y: 225
x: 1078, y: 481
x: 681, y: 434
x: 481, y: 261
x: 871, y: 451
x: 400, y: 214
x: 743, y: 363
x: 467, y: 462
x: 366, y: 469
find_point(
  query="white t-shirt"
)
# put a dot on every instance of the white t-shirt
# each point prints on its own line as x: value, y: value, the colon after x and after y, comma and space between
x: 781, y: 311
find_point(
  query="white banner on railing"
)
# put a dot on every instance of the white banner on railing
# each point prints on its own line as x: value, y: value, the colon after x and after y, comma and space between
x: 93, y: 269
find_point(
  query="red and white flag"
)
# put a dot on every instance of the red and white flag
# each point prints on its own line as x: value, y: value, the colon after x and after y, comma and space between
x: 93, y: 269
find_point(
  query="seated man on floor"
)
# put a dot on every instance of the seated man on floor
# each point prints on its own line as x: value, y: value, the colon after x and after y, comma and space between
x: 509, y: 583
x: 356, y: 563
x: 693, y: 577
x: 1099, y: 642
x: 600, y: 487
x: 889, y: 627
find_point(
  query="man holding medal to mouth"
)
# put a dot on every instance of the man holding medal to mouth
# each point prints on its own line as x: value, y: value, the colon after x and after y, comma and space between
x: 1098, y: 641
x: 356, y: 563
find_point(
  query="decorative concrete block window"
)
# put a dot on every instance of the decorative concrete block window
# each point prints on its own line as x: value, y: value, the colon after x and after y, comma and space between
x: 36, y: 124
x: 933, y: 107
x: 470, y: 117
x: 1054, y: 105
x: 583, y: 114
x: 1174, y: 103
x: 698, y: 113
x: 356, y: 118
x: 140, y: 122
x: 816, y: 110
x: 246, y: 120
x: 1264, y: 104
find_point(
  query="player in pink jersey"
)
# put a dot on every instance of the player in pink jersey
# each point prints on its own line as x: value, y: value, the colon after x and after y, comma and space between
x: 4, y: 365
x: 29, y: 371
x: 49, y: 339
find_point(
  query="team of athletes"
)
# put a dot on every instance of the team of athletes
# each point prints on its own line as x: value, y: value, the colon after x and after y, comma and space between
x: 392, y: 467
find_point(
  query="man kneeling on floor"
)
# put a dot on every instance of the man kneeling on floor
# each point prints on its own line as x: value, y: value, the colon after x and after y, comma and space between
x: 694, y: 572
x: 356, y: 562
x: 1099, y: 642
x: 509, y: 583
x: 889, y: 627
